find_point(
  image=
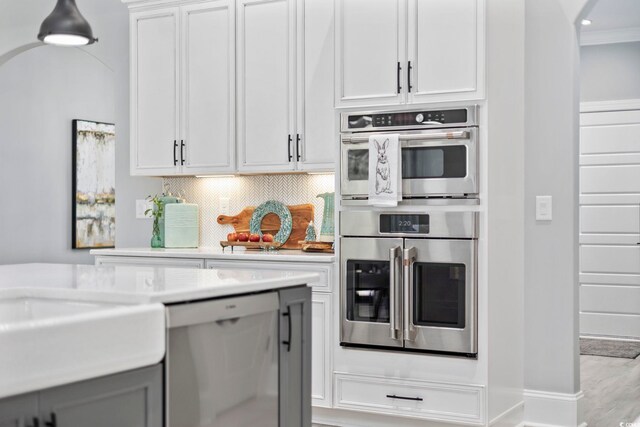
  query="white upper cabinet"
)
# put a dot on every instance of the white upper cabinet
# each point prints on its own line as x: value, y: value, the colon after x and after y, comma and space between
x: 393, y: 52
x: 182, y: 90
x: 446, y: 38
x: 266, y: 85
x: 316, y: 130
x: 371, y: 52
x: 154, y: 94
x: 208, y: 95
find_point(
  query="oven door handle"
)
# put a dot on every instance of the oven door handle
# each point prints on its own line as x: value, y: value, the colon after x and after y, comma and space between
x: 409, y: 259
x: 395, y: 267
x: 462, y: 134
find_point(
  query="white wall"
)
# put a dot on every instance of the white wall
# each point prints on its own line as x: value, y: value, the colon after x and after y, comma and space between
x: 41, y: 91
x: 551, y: 248
x: 610, y: 71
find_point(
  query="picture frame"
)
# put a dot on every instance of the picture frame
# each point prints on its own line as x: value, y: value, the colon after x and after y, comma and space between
x: 93, y: 185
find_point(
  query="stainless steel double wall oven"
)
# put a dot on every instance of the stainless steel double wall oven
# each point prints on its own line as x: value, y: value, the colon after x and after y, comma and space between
x: 409, y: 274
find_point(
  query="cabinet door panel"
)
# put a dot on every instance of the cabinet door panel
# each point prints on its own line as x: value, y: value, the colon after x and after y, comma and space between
x: 266, y: 72
x: 444, y: 41
x: 208, y: 95
x: 321, y: 345
x: 131, y: 399
x: 154, y: 54
x: 19, y: 411
x: 370, y: 44
x: 316, y: 115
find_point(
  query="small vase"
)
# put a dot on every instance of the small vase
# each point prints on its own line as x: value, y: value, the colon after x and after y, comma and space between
x: 156, y: 241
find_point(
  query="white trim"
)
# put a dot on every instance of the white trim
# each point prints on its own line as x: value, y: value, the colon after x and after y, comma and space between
x: 511, y: 417
x: 614, y: 105
x: 625, y: 35
x: 550, y: 409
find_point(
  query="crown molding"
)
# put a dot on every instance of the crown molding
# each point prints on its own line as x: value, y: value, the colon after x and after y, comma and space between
x: 625, y: 35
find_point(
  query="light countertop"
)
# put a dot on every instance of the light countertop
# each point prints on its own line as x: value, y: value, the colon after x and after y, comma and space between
x: 282, y: 255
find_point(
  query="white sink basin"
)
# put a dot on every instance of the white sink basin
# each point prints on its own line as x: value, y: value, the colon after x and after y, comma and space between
x: 50, y: 342
x: 27, y: 309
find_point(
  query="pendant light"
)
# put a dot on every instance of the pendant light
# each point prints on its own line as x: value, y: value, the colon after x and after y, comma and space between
x: 66, y: 26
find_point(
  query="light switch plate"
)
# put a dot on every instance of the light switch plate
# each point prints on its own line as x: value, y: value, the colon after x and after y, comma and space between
x: 224, y: 205
x: 141, y: 208
x: 544, y: 208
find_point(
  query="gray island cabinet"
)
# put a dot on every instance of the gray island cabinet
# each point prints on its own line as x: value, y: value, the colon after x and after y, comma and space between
x: 129, y: 399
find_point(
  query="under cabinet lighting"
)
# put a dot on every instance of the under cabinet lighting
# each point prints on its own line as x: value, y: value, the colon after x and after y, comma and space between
x: 586, y: 22
x: 215, y: 176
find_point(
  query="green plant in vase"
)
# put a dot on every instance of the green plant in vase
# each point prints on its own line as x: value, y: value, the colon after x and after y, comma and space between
x: 157, y: 212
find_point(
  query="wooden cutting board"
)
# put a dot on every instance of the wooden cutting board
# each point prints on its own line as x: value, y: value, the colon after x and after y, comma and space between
x: 301, y: 216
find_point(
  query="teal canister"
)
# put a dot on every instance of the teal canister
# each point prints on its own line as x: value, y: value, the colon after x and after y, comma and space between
x: 327, y: 231
x: 165, y: 200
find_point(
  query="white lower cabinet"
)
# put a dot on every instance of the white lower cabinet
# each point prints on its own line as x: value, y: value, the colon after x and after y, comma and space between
x: 151, y: 262
x: 419, y: 399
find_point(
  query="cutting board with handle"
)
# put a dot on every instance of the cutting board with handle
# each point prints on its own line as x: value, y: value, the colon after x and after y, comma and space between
x: 301, y: 216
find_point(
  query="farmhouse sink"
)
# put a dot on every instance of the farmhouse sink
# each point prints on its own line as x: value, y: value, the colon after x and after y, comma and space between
x: 48, y: 342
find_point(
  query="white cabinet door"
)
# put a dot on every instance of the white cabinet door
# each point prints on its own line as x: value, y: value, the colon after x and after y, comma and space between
x: 370, y: 52
x: 266, y: 85
x: 154, y: 92
x: 321, y: 342
x: 316, y: 146
x: 446, y: 50
x: 208, y: 87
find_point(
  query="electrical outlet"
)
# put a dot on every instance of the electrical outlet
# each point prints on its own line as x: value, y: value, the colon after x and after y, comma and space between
x: 141, y: 208
x: 224, y: 205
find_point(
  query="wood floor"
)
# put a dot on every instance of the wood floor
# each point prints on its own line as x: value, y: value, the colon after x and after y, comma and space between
x: 611, y: 389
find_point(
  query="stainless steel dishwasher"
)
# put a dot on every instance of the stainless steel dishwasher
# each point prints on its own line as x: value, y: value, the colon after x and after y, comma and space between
x: 240, y: 361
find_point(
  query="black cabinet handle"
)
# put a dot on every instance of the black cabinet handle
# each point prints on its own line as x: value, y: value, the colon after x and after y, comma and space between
x: 175, y: 156
x: 298, y: 147
x: 399, y: 71
x: 289, y: 147
x: 181, y: 152
x: 53, y: 422
x: 288, y: 341
x: 36, y: 422
x: 393, y: 396
x: 409, y: 68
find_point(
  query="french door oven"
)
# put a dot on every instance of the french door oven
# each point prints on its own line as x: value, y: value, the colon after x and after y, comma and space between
x: 406, y: 292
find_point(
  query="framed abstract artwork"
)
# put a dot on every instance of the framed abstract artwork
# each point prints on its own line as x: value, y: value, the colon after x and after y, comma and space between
x: 94, y: 185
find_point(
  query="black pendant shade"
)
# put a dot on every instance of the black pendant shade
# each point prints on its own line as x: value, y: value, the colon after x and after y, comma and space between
x: 66, y: 26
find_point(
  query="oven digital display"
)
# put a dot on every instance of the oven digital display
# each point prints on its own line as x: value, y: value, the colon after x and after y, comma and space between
x: 418, y: 224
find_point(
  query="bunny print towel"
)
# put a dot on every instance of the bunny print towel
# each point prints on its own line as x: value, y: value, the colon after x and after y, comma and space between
x: 385, y: 170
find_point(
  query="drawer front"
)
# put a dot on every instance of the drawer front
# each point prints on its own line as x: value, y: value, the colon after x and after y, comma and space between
x: 323, y: 284
x: 150, y: 261
x: 420, y: 399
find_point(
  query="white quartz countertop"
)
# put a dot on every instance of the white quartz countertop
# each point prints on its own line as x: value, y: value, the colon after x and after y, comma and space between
x: 217, y: 253
x: 131, y: 284
x: 62, y: 323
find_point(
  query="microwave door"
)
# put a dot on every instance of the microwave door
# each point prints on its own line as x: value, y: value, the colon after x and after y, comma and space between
x: 371, y: 292
x: 440, y: 295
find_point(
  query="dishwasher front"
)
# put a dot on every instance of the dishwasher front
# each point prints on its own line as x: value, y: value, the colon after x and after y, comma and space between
x: 240, y: 361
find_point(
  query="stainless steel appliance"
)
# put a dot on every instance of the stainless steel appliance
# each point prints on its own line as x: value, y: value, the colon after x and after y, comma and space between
x: 240, y: 362
x: 409, y: 281
x: 439, y: 151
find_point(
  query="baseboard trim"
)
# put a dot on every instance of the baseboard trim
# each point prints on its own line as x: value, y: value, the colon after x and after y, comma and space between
x: 550, y: 409
x: 511, y: 417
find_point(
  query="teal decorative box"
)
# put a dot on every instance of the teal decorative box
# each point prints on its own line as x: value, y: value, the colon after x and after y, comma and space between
x: 181, y: 225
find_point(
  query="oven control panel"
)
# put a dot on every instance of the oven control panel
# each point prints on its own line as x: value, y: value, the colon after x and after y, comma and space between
x: 404, y: 223
x: 412, y: 119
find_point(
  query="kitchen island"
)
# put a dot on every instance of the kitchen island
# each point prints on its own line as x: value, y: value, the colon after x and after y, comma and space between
x: 70, y: 324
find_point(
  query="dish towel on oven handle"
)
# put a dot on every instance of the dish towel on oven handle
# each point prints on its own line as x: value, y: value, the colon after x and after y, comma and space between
x: 385, y: 170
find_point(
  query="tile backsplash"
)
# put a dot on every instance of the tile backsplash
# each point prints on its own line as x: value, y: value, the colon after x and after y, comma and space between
x: 245, y: 191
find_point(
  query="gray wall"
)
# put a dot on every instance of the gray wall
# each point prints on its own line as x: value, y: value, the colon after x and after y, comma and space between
x: 41, y: 91
x: 610, y: 71
x: 551, y: 155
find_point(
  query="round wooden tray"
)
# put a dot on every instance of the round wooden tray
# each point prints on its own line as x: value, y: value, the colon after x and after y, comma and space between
x: 251, y: 245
